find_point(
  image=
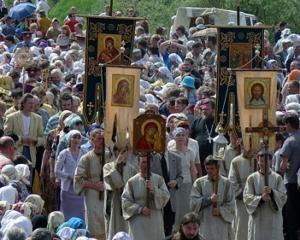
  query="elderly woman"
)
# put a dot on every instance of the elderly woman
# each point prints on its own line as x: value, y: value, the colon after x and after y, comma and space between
x: 35, y: 203
x: 9, y: 194
x: 47, y: 168
x: 189, y: 173
x: 21, y: 182
x: 55, y: 219
x: 12, y: 219
x: 72, y: 205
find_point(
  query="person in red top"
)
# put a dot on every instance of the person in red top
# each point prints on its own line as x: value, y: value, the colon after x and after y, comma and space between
x: 71, y: 22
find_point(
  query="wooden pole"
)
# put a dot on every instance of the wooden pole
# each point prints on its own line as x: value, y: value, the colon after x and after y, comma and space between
x: 266, y: 159
x: 148, y: 179
x: 238, y: 10
x: 111, y: 7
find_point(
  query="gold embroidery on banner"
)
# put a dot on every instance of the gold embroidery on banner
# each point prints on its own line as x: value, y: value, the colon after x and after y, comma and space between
x: 226, y: 39
x: 95, y: 29
x: 224, y: 75
x: 254, y: 38
x: 93, y: 68
x: 126, y: 32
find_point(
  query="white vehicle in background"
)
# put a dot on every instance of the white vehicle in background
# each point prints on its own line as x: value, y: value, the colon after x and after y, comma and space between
x: 186, y: 17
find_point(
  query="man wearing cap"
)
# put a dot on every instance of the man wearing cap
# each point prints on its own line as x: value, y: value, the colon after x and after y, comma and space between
x: 212, y: 197
x: 240, y: 168
x: 264, y: 203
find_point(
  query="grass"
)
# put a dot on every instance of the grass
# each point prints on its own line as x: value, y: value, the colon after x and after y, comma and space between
x: 158, y: 12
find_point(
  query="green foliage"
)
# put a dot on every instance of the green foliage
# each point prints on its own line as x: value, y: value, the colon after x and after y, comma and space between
x: 271, y: 12
x: 159, y: 12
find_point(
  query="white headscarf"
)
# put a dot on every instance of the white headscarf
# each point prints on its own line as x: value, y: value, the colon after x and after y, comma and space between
x: 179, y: 130
x: 121, y: 236
x: 23, y: 173
x: 168, y: 75
x: 9, y: 194
x: 15, y: 219
x: 9, y: 171
x: 36, y: 203
x: 8, y: 216
x: 55, y: 219
x: 173, y: 57
x: 151, y: 99
x: 71, y: 134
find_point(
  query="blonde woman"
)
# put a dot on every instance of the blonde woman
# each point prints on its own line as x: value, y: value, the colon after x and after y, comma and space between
x: 72, y: 205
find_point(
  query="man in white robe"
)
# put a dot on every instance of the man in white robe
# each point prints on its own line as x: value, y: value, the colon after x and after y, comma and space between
x: 88, y: 180
x: 145, y: 222
x: 264, y: 203
x: 232, y: 150
x: 212, y: 198
x: 240, y: 168
x: 116, y: 174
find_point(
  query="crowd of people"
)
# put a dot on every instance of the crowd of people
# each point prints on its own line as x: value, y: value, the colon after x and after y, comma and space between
x: 58, y: 180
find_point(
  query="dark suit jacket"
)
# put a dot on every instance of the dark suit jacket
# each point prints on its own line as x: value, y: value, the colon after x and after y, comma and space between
x: 175, y: 172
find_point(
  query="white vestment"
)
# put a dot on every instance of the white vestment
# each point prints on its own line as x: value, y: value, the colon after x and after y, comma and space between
x: 115, y: 178
x: 134, y: 199
x: 89, y: 168
x: 265, y: 218
x: 240, y: 169
x: 214, y: 227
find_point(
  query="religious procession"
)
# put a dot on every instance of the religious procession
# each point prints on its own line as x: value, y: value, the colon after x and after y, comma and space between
x: 110, y: 130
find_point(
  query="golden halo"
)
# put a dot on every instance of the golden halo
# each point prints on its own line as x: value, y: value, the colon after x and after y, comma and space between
x: 148, y: 121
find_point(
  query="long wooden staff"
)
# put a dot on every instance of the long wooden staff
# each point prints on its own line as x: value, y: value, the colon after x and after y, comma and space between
x: 148, y: 178
x: 215, y: 189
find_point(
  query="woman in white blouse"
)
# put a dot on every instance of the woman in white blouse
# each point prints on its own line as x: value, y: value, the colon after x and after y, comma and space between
x: 72, y: 205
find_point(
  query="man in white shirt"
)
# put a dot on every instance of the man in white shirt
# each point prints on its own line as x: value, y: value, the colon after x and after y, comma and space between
x: 28, y: 126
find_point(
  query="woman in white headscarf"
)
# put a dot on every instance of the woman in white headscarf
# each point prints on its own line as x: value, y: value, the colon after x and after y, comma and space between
x: 21, y: 183
x: 189, y: 173
x: 55, y: 219
x: 10, y: 172
x: 71, y: 204
x: 9, y: 193
x: 36, y: 204
x: 13, y: 218
x: 165, y: 75
x: 175, y: 61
